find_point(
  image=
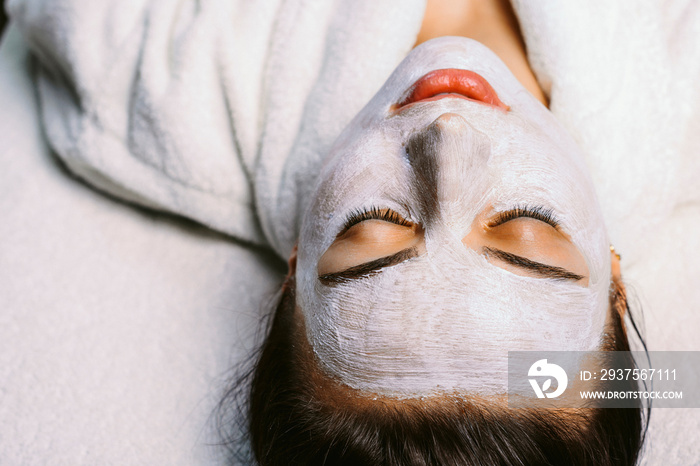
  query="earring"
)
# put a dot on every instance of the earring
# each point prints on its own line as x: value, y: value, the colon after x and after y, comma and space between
x: 612, y: 250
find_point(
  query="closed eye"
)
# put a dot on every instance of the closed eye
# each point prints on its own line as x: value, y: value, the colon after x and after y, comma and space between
x: 528, y: 240
x: 369, y: 241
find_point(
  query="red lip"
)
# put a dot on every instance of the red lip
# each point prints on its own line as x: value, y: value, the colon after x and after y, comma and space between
x: 463, y: 84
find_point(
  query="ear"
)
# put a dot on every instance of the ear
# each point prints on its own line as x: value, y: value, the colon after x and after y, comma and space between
x: 619, y: 292
x: 292, y: 263
x: 614, y: 265
x: 291, y: 272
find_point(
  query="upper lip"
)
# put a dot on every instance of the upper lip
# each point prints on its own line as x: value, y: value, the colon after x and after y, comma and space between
x: 451, y: 82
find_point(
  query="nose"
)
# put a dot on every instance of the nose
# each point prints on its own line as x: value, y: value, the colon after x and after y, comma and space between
x: 449, y: 161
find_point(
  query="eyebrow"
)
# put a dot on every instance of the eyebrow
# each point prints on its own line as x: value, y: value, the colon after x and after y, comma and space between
x: 372, y: 267
x: 368, y: 268
x: 543, y: 270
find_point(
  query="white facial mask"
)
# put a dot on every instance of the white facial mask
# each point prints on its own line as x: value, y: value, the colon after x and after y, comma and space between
x: 445, y: 321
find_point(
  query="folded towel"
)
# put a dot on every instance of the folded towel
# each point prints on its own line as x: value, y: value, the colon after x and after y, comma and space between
x: 192, y: 107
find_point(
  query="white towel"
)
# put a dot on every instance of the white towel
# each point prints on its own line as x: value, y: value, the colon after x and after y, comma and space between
x: 192, y: 107
x: 221, y: 111
x: 117, y: 326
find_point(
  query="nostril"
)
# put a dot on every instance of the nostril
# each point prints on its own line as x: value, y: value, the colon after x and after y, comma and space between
x: 450, y: 121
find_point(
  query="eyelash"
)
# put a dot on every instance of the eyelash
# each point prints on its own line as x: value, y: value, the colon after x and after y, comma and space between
x: 374, y: 213
x: 540, y: 213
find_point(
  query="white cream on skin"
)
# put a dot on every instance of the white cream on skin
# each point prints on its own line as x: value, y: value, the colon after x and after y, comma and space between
x: 444, y: 321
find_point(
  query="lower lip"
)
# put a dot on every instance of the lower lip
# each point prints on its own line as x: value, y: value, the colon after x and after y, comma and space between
x: 452, y: 83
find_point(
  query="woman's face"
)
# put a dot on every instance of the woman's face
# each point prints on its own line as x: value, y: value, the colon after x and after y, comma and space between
x: 447, y: 232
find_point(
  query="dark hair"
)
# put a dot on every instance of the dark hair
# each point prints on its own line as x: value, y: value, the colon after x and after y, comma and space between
x: 299, y: 416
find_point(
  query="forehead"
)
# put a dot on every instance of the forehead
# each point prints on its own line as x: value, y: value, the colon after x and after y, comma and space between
x: 446, y: 322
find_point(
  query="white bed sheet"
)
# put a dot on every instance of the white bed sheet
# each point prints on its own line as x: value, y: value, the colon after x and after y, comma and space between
x: 117, y: 327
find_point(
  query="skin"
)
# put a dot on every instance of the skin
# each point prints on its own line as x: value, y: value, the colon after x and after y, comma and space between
x: 493, y: 23
x: 525, y: 237
x: 403, y: 279
x: 614, y: 265
x: 461, y: 169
